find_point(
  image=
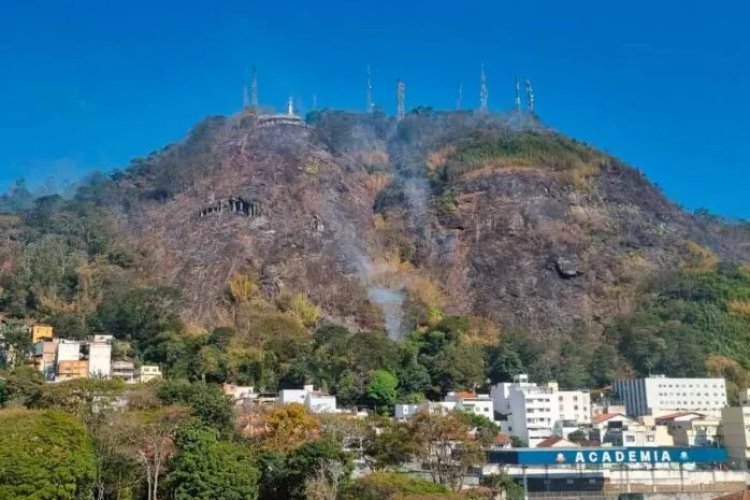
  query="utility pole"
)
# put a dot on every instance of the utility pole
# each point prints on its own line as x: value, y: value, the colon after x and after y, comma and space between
x: 518, y: 96
x: 483, y: 92
x: 254, y: 89
x: 400, y: 100
x: 368, y: 99
x: 460, y: 99
x: 529, y: 97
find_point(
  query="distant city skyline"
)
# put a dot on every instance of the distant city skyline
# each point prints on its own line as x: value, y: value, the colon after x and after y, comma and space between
x: 90, y: 85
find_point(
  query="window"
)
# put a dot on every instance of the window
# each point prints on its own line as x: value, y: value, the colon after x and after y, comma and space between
x: 630, y: 439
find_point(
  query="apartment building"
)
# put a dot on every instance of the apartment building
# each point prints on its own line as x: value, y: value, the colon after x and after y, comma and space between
x: 529, y: 411
x: 659, y: 395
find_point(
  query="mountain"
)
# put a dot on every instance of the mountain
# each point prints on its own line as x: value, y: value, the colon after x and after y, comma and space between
x: 386, y: 224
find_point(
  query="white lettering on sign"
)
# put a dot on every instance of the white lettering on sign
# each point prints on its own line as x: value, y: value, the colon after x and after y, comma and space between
x: 618, y: 456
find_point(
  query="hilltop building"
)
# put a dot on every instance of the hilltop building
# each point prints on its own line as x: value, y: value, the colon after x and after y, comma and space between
x: 659, y: 395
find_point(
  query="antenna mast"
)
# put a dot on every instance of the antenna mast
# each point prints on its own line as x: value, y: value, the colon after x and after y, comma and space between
x: 483, y: 93
x: 518, y: 96
x: 290, y: 106
x: 369, y: 104
x: 254, y: 90
x: 460, y: 100
x: 245, y: 96
x: 529, y: 97
x: 400, y: 100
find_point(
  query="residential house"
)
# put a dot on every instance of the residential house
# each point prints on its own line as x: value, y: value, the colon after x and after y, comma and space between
x: 313, y: 400
x: 471, y: 402
x: 123, y: 369
x: 556, y: 442
x: 692, y: 428
x: 147, y: 373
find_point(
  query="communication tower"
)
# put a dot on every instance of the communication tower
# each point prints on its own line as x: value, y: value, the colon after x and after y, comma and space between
x: 483, y: 92
x: 400, y: 100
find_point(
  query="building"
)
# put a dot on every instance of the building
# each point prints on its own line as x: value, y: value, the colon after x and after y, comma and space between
x: 575, y: 406
x: 527, y: 411
x: 44, y: 358
x: 313, y: 400
x: 99, y: 355
x: 660, y: 395
x: 479, y: 404
x: 734, y: 432
x: 691, y: 428
x: 41, y: 332
x: 71, y: 369
x: 124, y: 370
x: 239, y: 392
x: 616, y: 429
x: 555, y: 442
x: 68, y: 350
x: 403, y: 411
x: 147, y: 373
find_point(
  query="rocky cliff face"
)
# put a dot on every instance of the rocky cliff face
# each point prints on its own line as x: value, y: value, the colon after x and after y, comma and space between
x: 384, y: 223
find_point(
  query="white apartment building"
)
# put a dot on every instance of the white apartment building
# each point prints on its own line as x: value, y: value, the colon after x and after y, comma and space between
x: 575, y: 406
x: 100, y: 359
x: 658, y: 395
x: 531, y: 411
x: 479, y: 404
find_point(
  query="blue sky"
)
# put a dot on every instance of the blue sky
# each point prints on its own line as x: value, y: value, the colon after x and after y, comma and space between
x: 663, y: 85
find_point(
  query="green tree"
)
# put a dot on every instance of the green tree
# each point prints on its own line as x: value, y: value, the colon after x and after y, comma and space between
x: 206, y: 401
x: 15, y: 345
x: 388, y: 485
x: 382, y: 388
x: 204, y: 467
x: 45, y: 454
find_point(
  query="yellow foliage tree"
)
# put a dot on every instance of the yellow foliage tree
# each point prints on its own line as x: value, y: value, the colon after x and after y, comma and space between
x: 242, y: 289
x: 737, y: 377
x: 288, y: 427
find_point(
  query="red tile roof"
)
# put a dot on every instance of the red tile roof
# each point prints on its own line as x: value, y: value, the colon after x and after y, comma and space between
x: 502, y: 439
x: 549, y: 442
x: 466, y: 395
x: 598, y: 419
x: 679, y: 414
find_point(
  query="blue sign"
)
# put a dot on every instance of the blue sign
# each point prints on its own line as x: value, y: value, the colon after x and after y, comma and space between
x: 601, y: 456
